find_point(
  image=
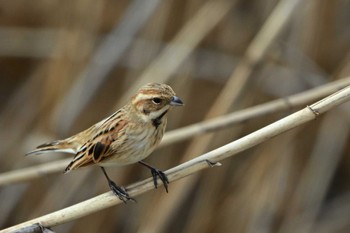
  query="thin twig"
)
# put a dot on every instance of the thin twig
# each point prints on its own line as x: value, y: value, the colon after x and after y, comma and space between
x: 260, y: 110
x: 184, y: 133
x: 29, y: 173
x: 106, y: 200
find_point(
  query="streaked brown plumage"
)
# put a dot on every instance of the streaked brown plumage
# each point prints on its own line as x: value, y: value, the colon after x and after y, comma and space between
x: 127, y: 136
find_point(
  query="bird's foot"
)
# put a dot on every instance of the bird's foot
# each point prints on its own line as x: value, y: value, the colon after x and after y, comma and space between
x: 120, y: 192
x: 158, y: 173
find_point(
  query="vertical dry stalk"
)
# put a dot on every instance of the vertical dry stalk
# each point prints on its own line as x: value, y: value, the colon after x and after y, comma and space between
x: 185, y: 41
x: 104, y: 59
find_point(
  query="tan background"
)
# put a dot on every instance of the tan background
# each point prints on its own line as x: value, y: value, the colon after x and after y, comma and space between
x: 61, y: 70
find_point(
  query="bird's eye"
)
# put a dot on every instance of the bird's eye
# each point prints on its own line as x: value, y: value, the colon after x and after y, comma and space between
x: 156, y: 100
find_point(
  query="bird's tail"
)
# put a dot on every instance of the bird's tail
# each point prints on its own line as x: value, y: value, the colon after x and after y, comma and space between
x: 65, y: 146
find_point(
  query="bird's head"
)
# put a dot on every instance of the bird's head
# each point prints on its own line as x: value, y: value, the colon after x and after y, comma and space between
x: 153, y: 100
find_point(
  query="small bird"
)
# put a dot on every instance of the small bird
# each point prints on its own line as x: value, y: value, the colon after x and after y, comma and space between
x: 127, y: 136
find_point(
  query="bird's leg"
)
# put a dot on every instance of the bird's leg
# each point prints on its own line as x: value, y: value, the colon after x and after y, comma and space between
x: 156, y: 172
x: 117, y: 190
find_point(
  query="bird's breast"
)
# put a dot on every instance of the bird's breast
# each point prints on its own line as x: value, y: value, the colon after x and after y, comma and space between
x: 146, y: 140
x: 139, y: 143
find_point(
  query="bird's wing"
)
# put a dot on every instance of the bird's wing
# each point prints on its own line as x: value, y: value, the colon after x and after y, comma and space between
x: 99, y: 146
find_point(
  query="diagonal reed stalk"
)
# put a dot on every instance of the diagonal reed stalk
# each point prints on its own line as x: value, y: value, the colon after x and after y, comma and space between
x: 303, y: 98
x: 190, y: 167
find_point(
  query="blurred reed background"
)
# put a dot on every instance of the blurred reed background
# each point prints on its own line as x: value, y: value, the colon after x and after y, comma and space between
x: 68, y: 64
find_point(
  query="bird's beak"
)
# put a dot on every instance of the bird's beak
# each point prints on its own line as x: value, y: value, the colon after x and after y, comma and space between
x: 176, y: 101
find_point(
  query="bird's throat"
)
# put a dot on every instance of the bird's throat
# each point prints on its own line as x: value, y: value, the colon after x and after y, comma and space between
x: 157, y: 121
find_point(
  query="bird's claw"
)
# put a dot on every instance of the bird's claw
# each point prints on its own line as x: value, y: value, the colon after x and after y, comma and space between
x: 120, y: 192
x: 158, y: 173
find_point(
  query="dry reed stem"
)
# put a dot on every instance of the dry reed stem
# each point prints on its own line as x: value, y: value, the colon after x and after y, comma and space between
x: 303, y: 98
x: 29, y: 173
x: 108, y: 199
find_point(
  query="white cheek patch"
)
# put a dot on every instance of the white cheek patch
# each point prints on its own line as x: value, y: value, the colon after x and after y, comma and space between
x: 153, y: 115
